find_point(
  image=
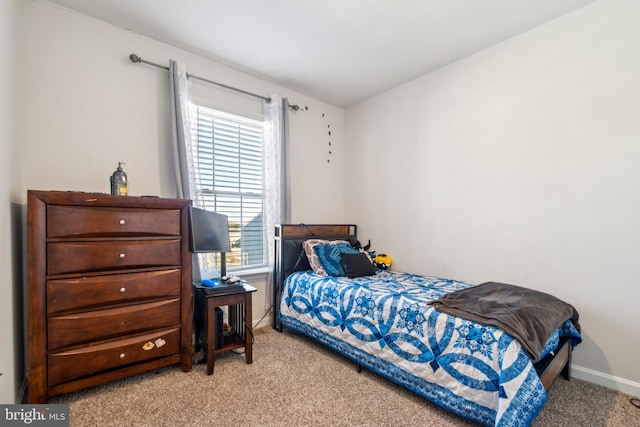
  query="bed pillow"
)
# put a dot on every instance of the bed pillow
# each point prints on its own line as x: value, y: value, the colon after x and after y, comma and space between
x: 312, y: 256
x: 331, y: 255
x: 357, y: 265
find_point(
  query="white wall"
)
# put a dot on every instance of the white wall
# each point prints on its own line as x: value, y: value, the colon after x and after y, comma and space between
x: 10, y: 319
x: 519, y: 164
x: 93, y: 108
x: 84, y: 106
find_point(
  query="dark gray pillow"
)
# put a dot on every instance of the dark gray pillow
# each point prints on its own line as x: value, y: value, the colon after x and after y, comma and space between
x: 357, y: 265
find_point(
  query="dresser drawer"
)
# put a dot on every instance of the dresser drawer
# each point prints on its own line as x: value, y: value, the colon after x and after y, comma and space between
x: 91, y: 292
x: 79, y: 257
x: 69, y: 365
x: 96, y: 325
x: 75, y: 221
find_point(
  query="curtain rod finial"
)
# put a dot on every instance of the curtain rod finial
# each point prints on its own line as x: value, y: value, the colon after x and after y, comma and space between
x: 134, y: 58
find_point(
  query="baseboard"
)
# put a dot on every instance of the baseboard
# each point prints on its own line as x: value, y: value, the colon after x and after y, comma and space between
x: 606, y: 380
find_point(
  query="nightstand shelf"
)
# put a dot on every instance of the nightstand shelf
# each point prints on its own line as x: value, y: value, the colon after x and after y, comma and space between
x: 231, y: 342
x: 239, y: 318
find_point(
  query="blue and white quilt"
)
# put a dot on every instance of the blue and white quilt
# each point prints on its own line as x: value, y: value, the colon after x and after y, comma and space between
x: 383, y: 323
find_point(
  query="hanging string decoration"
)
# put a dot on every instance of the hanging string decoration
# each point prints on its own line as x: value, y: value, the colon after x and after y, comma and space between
x: 329, y: 140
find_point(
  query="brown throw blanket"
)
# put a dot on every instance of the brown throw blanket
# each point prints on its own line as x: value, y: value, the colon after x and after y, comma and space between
x: 527, y: 315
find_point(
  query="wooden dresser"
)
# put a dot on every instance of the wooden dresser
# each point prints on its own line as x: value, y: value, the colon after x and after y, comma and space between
x: 109, y: 289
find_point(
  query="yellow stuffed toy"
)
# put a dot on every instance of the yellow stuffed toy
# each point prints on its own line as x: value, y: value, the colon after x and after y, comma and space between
x: 383, y: 261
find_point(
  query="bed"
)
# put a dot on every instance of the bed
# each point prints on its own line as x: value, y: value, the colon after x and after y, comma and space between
x: 386, y: 323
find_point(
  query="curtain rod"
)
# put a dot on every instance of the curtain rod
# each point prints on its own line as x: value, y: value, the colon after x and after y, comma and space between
x: 136, y: 59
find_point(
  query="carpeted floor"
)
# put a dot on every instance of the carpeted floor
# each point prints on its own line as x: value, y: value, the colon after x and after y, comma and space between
x: 295, y: 382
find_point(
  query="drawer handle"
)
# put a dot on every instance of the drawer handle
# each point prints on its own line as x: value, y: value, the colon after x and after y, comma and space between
x: 122, y: 256
x: 122, y: 222
x: 122, y: 355
x: 123, y: 290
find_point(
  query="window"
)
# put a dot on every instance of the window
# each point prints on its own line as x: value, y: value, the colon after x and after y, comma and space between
x: 229, y: 178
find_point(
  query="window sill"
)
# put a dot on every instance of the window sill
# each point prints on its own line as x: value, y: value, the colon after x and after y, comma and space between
x: 261, y: 271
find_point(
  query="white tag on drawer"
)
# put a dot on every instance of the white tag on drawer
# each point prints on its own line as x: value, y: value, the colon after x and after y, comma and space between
x: 160, y: 342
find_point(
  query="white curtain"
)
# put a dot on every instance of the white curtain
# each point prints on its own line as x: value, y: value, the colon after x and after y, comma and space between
x: 285, y: 170
x: 277, y: 186
x: 181, y: 128
x: 181, y: 131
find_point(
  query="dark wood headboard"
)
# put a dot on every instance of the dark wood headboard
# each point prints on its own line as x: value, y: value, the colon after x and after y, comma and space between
x: 290, y: 256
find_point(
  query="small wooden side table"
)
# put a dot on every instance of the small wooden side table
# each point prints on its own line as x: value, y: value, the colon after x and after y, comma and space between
x: 239, y: 319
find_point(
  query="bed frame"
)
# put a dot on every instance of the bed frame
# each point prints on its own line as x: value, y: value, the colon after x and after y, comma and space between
x: 290, y: 257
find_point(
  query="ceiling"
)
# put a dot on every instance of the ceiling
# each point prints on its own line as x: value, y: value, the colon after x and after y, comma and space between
x: 338, y: 51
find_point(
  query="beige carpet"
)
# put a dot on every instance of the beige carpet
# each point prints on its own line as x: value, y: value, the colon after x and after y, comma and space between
x: 295, y: 382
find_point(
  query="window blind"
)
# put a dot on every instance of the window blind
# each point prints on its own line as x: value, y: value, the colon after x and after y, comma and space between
x: 228, y: 163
